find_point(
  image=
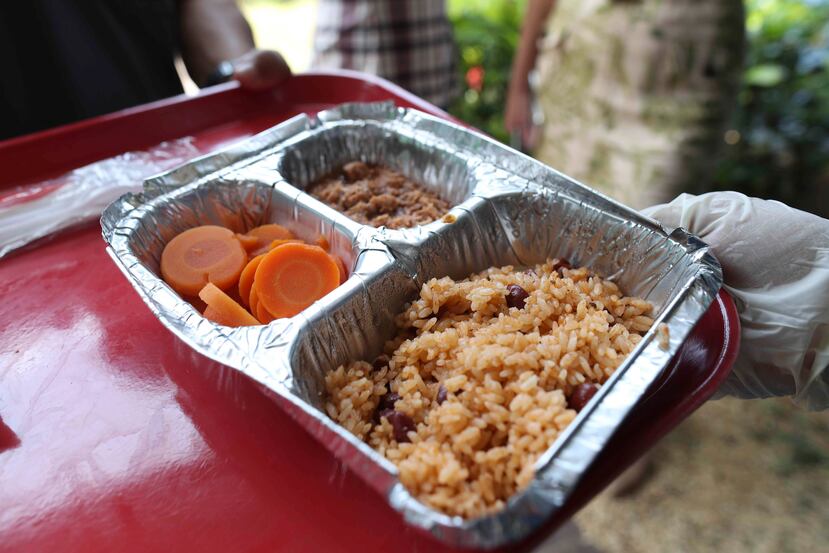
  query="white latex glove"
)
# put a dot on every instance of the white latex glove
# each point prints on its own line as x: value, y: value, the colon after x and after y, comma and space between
x: 775, y: 263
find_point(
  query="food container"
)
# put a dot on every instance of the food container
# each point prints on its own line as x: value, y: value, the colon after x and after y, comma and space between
x: 508, y: 209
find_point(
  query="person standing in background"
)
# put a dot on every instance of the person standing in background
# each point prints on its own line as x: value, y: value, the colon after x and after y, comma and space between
x: 635, y: 93
x: 65, y: 61
x: 408, y: 42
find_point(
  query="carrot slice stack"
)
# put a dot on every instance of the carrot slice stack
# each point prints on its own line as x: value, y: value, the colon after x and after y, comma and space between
x: 201, y: 255
x: 246, y: 279
x: 293, y: 276
x: 223, y: 310
x: 267, y: 269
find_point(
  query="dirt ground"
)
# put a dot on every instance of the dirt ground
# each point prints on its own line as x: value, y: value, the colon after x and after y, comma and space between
x: 737, y: 476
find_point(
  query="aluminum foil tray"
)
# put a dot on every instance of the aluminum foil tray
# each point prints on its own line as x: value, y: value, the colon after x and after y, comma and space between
x: 509, y: 209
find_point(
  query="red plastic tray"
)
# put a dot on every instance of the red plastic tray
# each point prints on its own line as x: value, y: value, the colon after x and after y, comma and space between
x: 114, y: 436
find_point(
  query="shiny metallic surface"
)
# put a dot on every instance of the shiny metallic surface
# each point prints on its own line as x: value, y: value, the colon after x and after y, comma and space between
x: 509, y: 209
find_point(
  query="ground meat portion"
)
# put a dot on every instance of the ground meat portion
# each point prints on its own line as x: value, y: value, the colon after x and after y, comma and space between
x: 377, y: 196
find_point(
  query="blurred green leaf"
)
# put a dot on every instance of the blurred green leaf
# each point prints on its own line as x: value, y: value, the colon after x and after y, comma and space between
x: 767, y: 74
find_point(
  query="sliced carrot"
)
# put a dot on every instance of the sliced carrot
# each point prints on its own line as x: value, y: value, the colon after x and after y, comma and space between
x: 254, y: 301
x: 265, y: 249
x: 281, y: 241
x: 263, y: 314
x: 270, y: 232
x: 322, y: 242
x: 340, y: 267
x: 293, y: 276
x: 276, y: 243
x: 248, y: 242
x: 223, y: 307
x: 214, y: 315
x: 200, y: 255
x: 246, y: 278
x: 266, y: 234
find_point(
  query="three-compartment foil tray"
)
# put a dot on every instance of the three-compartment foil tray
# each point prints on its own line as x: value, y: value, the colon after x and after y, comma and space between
x: 509, y: 209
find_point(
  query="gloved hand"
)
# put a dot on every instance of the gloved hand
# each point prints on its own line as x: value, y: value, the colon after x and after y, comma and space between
x: 775, y: 263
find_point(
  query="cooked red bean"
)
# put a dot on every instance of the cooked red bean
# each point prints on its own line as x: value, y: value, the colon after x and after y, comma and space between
x: 561, y: 264
x: 388, y: 401
x: 380, y: 362
x: 441, y: 397
x: 385, y: 406
x: 401, y: 424
x: 516, y: 296
x: 581, y: 396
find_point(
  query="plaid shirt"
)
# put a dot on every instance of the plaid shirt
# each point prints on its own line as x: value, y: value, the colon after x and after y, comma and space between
x: 409, y: 42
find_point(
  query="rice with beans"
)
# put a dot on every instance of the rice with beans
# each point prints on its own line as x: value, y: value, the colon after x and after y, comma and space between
x: 472, y: 391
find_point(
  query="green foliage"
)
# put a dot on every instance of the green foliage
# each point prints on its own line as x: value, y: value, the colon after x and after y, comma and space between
x: 782, y: 149
x: 778, y: 145
x: 487, y: 34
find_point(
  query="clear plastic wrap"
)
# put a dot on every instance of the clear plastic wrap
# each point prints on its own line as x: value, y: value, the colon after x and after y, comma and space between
x: 43, y: 208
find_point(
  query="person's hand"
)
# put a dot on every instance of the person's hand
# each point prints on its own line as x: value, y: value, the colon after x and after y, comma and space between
x: 775, y: 263
x: 518, y: 116
x: 260, y: 69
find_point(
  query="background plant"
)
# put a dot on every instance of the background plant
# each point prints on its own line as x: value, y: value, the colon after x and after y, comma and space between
x: 487, y: 34
x: 778, y: 144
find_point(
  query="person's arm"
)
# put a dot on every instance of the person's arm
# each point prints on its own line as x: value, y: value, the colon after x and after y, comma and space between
x: 517, y: 116
x: 212, y: 31
x: 215, y: 31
